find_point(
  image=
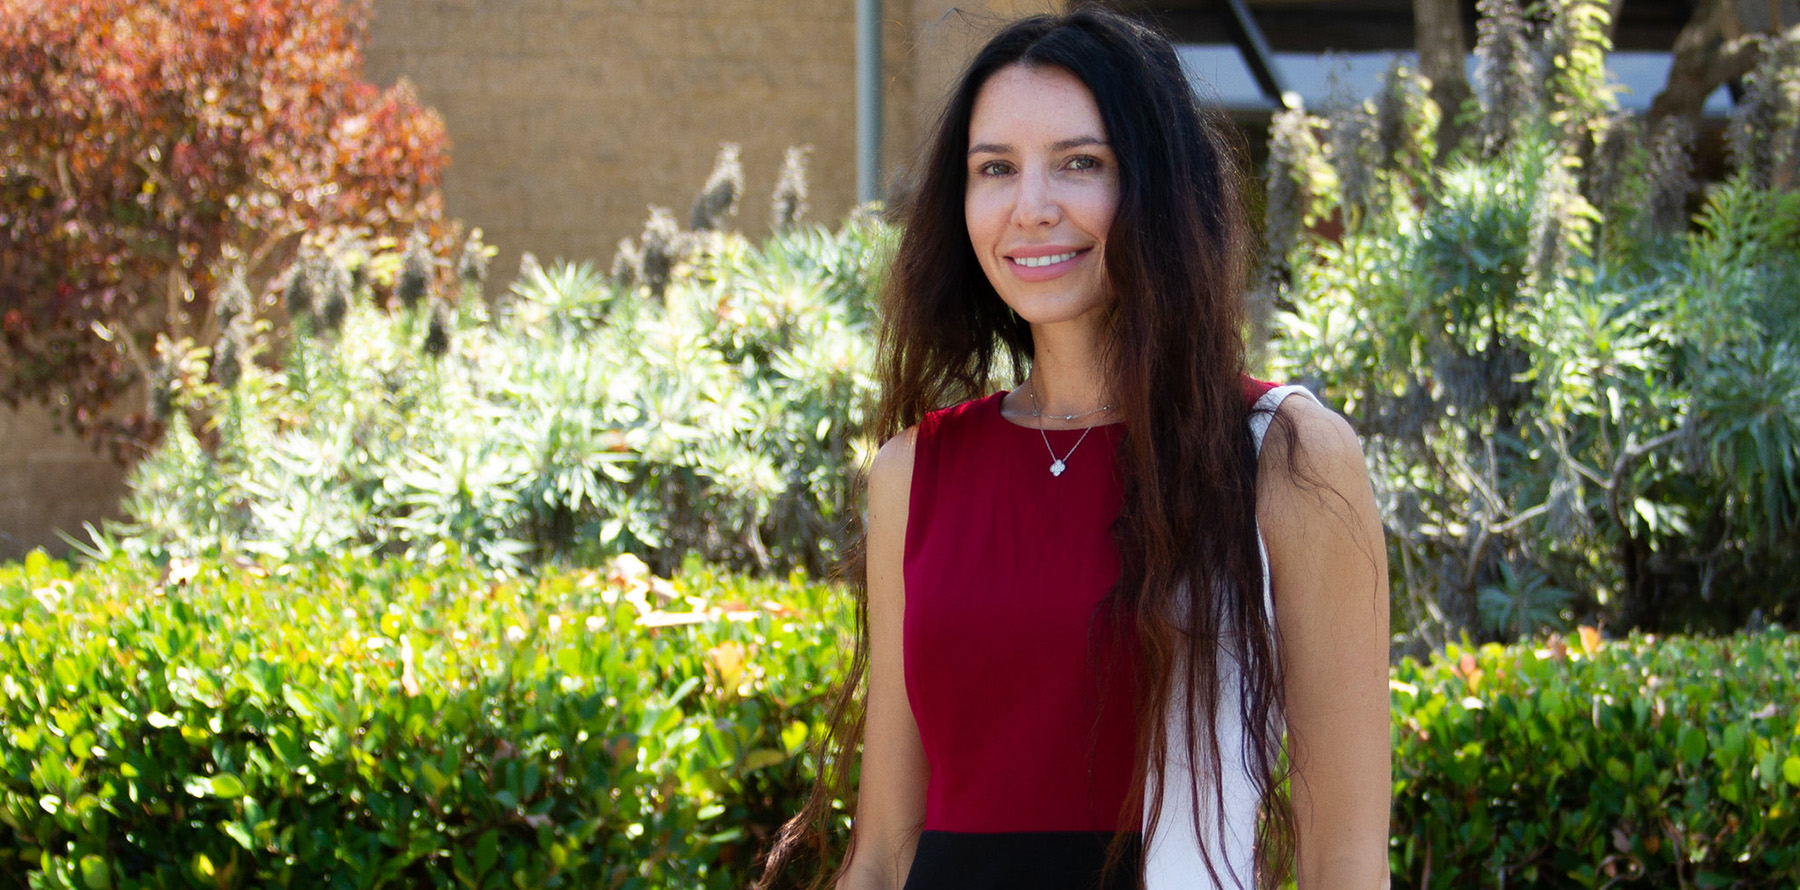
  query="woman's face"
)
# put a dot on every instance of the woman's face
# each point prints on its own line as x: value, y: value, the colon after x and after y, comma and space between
x: 1043, y: 184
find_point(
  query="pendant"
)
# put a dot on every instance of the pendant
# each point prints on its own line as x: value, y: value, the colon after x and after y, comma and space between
x: 1057, y: 468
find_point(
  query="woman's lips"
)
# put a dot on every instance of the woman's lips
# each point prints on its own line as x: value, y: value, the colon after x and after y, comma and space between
x: 1044, y: 266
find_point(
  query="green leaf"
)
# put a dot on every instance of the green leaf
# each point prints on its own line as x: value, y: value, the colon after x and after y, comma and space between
x: 95, y: 874
x: 1618, y: 771
x: 487, y: 851
x: 237, y: 832
x: 434, y: 777
x: 227, y: 785
x: 762, y: 757
x: 1790, y: 770
x: 1692, y: 744
x: 1732, y: 746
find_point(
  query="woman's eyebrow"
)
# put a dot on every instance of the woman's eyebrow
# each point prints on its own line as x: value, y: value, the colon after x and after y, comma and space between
x: 994, y: 148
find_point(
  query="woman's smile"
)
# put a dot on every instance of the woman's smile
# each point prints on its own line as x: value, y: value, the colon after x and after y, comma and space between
x: 1032, y: 265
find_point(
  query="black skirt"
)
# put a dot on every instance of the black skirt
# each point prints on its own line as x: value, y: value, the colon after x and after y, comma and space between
x: 1023, y: 860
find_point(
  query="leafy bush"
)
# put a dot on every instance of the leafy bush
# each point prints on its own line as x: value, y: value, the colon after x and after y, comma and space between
x: 718, y: 414
x: 1575, y: 406
x: 350, y: 723
x: 150, y: 150
x: 1641, y: 762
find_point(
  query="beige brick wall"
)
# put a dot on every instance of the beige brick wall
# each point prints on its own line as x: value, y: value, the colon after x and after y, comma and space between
x: 49, y: 481
x: 569, y: 118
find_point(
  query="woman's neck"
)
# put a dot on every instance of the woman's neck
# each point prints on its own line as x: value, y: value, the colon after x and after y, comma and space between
x: 1068, y: 378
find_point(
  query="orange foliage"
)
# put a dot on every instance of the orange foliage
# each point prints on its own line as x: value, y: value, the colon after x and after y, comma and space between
x: 149, y: 146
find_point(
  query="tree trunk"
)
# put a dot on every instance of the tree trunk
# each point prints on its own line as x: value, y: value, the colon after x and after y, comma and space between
x: 1711, y: 50
x: 1443, y: 53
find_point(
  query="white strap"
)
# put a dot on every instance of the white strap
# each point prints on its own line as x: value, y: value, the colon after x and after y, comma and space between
x: 1263, y: 412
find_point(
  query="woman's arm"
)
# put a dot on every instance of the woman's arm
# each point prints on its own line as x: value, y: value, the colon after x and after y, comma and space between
x: 890, y: 805
x: 1328, y: 568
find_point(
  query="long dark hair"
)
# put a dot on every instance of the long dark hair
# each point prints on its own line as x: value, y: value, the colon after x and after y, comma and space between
x: 1176, y: 253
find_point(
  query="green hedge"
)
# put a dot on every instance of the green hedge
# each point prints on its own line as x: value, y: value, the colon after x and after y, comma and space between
x: 352, y: 724
x: 1633, y: 763
x: 357, y: 723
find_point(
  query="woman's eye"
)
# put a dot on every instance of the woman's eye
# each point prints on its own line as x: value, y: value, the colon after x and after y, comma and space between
x: 1083, y: 162
x: 993, y: 168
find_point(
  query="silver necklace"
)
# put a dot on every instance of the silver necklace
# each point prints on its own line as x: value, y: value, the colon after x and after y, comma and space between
x: 1059, y: 464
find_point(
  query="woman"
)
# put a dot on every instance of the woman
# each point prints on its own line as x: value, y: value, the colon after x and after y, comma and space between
x: 1095, y: 603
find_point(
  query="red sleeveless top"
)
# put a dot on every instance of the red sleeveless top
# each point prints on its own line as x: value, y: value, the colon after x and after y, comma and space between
x: 1022, y: 688
x: 1022, y: 691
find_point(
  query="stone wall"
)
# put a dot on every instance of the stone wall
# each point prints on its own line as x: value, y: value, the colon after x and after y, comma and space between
x: 49, y: 480
x: 569, y: 118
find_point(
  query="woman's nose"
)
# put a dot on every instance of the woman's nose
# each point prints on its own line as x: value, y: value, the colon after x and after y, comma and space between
x: 1035, y: 205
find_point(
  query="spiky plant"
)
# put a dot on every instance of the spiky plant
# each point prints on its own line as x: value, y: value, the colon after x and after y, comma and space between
x: 298, y: 296
x: 359, y: 275
x: 626, y: 262
x: 1669, y: 174
x: 472, y: 265
x: 437, y: 334
x: 1574, y: 48
x: 1355, y: 152
x: 663, y: 245
x: 719, y: 198
x: 1559, y: 223
x: 1297, y: 176
x: 1390, y: 115
x: 161, y: 386
x: 334, y: 301
x: 414, y: 282
x: 228, y: 358
x: 789, y: 201
x: 1609, y: 173
x: 233, y: 299
x: 1763, y: 138
x: 1505, y: 73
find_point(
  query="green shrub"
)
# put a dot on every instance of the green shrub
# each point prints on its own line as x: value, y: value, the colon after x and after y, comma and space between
x: 1641, y: 762
x: 718, y: 415
x: 1579, y: 402
x: 351, y: 723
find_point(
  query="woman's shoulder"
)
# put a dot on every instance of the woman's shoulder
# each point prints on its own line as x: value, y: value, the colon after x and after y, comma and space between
x: 1320, y: 433
x: 1312, y: 467
x: 893, y: 461
x: 962, y: 411
x: 956, y: 422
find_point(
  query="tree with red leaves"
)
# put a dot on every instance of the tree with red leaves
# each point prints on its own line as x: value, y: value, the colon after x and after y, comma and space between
x: 150, y: 149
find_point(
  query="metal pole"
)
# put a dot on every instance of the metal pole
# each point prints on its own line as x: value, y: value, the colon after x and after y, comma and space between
x: 868, y: 100
x: 1257, y: 57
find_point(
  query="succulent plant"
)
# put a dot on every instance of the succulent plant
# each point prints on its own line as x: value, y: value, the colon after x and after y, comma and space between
x: 437, y: 333
x: 662, y: 246
x: 789, y: 202
x: 1505, y: 72
x: 414, y: 282
x: 334, y: 302
x: 298, y: 296
x: 719, y: 198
